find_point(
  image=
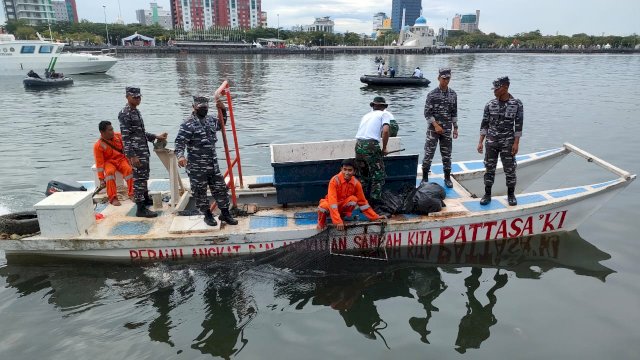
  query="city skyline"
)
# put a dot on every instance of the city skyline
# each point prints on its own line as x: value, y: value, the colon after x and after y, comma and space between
x: 500, y: 16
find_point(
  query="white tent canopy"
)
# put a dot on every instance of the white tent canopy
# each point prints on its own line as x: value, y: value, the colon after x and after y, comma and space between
x: 139, y: 37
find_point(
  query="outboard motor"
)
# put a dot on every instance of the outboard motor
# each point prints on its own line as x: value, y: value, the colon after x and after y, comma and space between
x: 58, y: 185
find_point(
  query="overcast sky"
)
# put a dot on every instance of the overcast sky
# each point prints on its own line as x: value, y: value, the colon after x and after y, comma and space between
x: 504, y: 17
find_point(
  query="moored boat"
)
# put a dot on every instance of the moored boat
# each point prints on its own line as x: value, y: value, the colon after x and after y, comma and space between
x: 39, y: 83
x: 394, y: 81
x: 18, y: 56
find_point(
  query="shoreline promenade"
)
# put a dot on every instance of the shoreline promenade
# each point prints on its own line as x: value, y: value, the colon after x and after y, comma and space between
x: 225, y: 49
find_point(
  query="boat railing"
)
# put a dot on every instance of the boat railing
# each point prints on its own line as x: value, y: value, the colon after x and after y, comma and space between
x: 596, y: 160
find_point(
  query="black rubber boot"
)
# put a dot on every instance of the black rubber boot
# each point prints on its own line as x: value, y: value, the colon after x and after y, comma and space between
x: 486, y: 198
x: 209, y: 219
x: 447, y: 179
x: 425, y: 176
x: 226, y: 217
x: 142, y: 211
x: 511, y: 196
x: 148, y: 201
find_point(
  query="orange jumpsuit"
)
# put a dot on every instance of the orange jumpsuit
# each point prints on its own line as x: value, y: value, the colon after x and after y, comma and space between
x: 342, y: 199
x: 108, y: 161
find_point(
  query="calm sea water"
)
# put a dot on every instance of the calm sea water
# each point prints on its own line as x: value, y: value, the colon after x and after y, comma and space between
x: 572, y: 296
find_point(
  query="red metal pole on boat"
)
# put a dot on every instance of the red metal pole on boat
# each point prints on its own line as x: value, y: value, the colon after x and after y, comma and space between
x: 224, y: 90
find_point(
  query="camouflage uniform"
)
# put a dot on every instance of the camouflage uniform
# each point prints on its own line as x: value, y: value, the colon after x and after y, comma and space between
x: 198, y: 138
x: 370, y: 167
x: 501, y: 124
x: 440, y: 106
x: 370, y: 135
x: 135, y: 138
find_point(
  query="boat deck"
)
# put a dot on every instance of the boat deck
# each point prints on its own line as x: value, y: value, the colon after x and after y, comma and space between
x: 120, y: 222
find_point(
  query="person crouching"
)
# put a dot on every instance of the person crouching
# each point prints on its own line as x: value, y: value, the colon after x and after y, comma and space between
x: 345, y: 193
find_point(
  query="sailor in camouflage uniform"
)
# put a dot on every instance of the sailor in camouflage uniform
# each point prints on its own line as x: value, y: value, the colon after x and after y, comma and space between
x: 373, y: 130
x: 197, y: 135
x: 136, y: 149
x: 502, y: 128
x: 441, y: 113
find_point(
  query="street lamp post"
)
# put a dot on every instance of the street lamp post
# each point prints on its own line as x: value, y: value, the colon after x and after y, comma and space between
x: 278, y: 26
x: 104, y: 8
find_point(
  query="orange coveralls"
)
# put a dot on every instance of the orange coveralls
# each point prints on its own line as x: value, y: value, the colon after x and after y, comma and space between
x: 342, y: 199
x: 108, y: 161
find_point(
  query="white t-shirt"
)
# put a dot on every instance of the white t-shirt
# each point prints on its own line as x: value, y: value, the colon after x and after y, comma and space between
x: 417, y: 73
x: 371, y: 124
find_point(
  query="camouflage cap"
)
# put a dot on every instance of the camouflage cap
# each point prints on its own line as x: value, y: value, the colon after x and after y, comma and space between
x: 500, y: 82
x: 133, y: 91
x: 200, y: 101
x: 444, y: 73
x: 378, y: 100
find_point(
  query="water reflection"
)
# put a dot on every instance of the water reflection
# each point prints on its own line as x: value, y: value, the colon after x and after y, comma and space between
x: 206, y: 308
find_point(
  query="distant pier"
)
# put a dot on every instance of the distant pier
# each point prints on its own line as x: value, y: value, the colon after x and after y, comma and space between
x: 386, y: 50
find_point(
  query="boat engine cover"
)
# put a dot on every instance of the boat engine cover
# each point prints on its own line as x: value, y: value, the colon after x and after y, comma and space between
x: 58, y: 185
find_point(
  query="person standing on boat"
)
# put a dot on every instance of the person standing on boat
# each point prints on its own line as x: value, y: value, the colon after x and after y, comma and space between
x: 345, y: 193
x: 373, y: 130
x: 197, y: 136
x: 108, y: 153
x: 392, y: 71
x: 136, y: 149
x: 441, y: 113
x: 502, y: 128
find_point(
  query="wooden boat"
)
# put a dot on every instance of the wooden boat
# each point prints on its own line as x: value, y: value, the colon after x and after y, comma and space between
x: 394, y: 81
x: 69, y: 228
x: 36, y: 83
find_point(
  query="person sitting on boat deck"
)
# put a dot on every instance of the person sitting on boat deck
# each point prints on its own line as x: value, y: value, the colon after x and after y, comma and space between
x: 392, y: 71
x: 108, y: 153
x: 417, y: 73
x: 136, y: 149
x: 33, y: 74
x: 345, y: 193
x: 502, y: 127
x: 441, y: 113
x: 197, y: 136
x: 373, y: 130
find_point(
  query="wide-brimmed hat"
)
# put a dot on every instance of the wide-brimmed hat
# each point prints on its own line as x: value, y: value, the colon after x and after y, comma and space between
x: 378, y: 100
x: 500, y: 82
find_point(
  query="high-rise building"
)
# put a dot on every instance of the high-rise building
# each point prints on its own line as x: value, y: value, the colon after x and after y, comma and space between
x: 263, y: 19
x: 455, y: 23
x: 203, y: 14
x: 33, y: 12
x: 60, y: 10
x: 378, y: 20
x: 155, y: 15
x: 470, y: 22
x: 412, y: 10
x: 65, y: 11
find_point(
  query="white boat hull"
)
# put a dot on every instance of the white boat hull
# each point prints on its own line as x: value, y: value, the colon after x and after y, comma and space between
x: 524, y: 220
x: 68, y: 64
x: 121, y: 236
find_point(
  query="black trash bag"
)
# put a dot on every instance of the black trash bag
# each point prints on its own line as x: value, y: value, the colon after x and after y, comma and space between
x: 428, y: 198
x: 394, y: 202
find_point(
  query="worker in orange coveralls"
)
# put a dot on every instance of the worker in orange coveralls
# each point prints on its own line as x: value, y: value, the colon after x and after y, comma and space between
x: 345, y: 193
x: 109, y: 157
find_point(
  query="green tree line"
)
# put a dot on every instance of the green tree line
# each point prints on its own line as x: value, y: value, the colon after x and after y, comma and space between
x: 96, y: 33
